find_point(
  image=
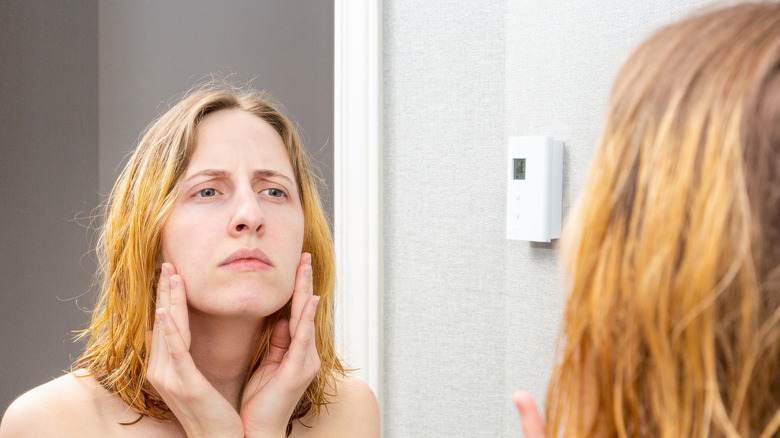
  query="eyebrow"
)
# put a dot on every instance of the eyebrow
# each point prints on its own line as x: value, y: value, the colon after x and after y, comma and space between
x: 257, y: 174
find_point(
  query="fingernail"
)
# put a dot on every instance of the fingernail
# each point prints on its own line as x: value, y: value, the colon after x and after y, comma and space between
x: 307, y: 258
x: 165, y: 271
x: 174, y: 282
x: 316, y: 300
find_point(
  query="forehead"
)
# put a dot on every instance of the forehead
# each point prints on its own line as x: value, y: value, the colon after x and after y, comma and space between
x: 232, y: 137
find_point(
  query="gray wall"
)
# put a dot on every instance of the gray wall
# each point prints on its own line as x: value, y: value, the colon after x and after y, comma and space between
x: 153, y: 51
x: 79, y: 81
x: 48, y: 169
x: 470, y: 316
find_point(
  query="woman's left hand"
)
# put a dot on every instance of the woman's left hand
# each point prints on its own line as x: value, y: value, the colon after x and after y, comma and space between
x: 530, y: 420
x: 292, y: 362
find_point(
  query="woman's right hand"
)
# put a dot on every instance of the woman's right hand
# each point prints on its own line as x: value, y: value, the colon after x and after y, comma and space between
x: 199, y: 407
x: 530, y: 420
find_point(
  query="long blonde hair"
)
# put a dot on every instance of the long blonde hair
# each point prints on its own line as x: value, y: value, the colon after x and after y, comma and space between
x: 130, y: 244
x: 672, y: 325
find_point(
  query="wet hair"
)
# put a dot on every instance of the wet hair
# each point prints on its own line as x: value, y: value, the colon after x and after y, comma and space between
x: 672, y: 325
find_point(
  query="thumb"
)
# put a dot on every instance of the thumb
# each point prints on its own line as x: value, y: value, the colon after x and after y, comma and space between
x: 530, y: 420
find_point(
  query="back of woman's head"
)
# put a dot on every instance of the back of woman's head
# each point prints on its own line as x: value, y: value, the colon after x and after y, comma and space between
x: 672, y: 326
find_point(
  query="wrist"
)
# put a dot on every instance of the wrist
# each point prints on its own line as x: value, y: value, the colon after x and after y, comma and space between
x: 212, y: 430
x: 260, y: 433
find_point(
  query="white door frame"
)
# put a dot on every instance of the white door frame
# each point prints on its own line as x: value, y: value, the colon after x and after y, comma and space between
x: 358, y: 187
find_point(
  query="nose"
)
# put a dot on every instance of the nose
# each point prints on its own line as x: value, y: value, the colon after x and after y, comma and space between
x: 248, y: 215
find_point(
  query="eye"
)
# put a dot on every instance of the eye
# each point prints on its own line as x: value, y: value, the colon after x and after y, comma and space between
x: 206, y: 193
x: 274, y: 193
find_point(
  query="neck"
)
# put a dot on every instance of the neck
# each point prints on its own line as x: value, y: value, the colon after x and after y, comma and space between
x: 222, y: 349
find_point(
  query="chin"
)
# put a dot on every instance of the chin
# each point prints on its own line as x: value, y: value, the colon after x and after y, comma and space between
x: 247, y: 304
x: 248, y: 298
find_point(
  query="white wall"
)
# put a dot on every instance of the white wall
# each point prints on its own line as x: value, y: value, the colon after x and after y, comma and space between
x: 470, y: 316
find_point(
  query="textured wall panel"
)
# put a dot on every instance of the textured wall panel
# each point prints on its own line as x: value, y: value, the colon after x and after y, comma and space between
x: 470, y: 316
x: 444, y: 82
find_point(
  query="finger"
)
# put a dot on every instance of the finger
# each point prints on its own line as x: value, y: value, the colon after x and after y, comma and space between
x: 303, y: 344
x: 164, y: 287
x: 302, y: 291
x: 178, y: 353
x: 156, y: 346
x: 280, y: 342
x: 179, y: 313
x: 158, y: 353
x: 530, y: 420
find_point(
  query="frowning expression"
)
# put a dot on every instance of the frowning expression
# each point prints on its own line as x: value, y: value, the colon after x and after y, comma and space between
x: 235, y: 231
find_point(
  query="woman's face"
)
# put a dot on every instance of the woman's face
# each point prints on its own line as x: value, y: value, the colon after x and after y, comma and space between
x: 235, y: 232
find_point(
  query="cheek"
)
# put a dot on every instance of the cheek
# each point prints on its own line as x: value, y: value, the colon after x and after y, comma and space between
x: 292, y: 242
x: 170, y: 242
x: 297, y: 234
x: 166, y: 246
x: 175, y: 243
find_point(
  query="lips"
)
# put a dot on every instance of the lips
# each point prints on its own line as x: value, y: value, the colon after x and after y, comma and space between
x: 247, y: 259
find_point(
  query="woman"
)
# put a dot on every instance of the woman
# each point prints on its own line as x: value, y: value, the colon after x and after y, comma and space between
x: 214, y: 317
x: 672, y: 325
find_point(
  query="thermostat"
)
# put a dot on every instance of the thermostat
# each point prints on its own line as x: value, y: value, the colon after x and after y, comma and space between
x: 534, y: 192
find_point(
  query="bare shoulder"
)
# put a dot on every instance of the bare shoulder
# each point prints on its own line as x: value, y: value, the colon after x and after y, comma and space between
x: 352, y: 412
x: 71, y: 405
x: 54, y: 408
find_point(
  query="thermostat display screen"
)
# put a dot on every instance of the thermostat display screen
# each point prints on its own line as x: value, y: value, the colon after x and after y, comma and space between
x: 519, y: 168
